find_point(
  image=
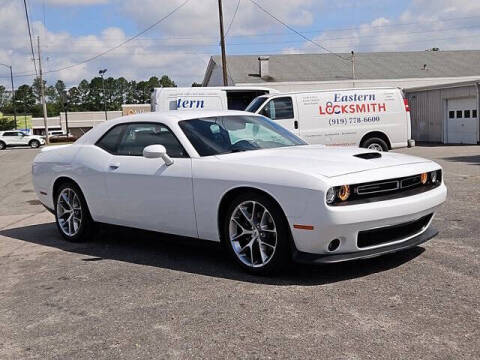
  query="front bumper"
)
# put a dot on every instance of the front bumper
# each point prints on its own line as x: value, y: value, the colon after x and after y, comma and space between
x: 308, y: 258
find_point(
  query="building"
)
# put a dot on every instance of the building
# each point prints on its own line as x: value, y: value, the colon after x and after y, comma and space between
x: 446, y: 113
x: 80, y: 122
x: 298, y: 72
x: 442, y: 86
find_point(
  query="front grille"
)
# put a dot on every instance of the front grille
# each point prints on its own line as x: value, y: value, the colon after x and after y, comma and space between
x: 388, y: 189
x: 392, y: 233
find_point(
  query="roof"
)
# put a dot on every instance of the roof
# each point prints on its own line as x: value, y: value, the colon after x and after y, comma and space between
x: 329, y: 67
x: 445, y: 86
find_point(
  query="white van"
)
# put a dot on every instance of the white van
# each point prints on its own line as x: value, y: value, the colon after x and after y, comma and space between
x: 375, y: 118
x: 206, y: 98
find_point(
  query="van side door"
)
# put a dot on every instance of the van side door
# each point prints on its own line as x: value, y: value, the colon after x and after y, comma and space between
x: 282, y: 110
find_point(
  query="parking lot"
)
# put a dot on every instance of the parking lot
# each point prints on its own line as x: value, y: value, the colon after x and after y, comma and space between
x: 132, y: 294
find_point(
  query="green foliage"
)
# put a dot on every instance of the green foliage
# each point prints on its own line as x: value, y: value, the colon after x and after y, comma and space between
x: 6, y: 123
x: 86, y: 96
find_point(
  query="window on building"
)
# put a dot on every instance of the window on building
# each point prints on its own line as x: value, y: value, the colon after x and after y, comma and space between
x: 474, y: 113
x: 451, y: 114
x: 459, y: 114
x: 466, y: 114
x: 279, y: 108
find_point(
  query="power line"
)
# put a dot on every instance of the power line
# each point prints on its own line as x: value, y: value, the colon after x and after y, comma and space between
x: 297, y: 32
x: 233, y: 18
x: 30, y: 36
x: 115, y: 47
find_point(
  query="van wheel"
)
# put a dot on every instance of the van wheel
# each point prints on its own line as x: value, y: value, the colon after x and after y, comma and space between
x: 2, y: 145
x: 375, y: 144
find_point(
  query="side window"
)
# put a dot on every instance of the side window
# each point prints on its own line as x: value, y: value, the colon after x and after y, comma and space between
x: 109, y: 141
x: 459, y: 114
x: 451, y: 114
x: 466, y: 114
x: 140, y: 135
x: 279, y: 108
x: 474, y: 113
x: 9, y: 134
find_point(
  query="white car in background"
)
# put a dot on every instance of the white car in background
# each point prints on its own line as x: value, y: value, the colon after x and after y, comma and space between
x: 18, y: 138
x: 243, y: 180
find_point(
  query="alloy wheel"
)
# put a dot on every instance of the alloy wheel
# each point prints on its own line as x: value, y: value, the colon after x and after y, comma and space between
x: 253, y: 234
x: 375, y: 146
x: 69, y: 212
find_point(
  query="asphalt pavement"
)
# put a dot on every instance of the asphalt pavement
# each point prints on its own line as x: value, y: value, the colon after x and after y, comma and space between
x: 135, y: 295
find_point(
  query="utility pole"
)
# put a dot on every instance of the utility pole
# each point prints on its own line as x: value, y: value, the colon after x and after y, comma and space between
x: 102, y: 72
x: 353, y: 68
x: 42, y: 89
x: 13, y: 95
x: 222, y: 44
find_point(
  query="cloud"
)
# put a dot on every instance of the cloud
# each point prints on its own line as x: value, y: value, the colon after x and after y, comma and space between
x: 446, y: 24
x: 75, y: 2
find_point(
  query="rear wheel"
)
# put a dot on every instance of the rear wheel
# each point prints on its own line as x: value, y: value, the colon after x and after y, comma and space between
x: 34, y: 144
x: 71, y: 213
x: 256, y: 233
x: 2, y: 145
x: 375, y: 143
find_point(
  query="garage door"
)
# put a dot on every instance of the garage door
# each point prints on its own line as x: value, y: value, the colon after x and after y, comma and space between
x: 462, y: 120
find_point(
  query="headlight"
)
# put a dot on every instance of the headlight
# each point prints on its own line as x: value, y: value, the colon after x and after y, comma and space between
x: 331, y: 195
x: 344, y: 192
x: 423, y: 178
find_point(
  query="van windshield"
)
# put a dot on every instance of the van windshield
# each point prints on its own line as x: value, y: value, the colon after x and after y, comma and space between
x: 255, y: 104
x: 229, y: 134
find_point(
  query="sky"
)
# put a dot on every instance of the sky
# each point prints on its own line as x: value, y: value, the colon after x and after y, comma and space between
x: 72, y: 31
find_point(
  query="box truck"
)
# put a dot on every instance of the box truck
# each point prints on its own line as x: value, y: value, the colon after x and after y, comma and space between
x: 375, y: 118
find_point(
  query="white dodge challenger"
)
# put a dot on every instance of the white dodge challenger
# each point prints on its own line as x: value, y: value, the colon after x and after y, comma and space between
x: 242, y: 180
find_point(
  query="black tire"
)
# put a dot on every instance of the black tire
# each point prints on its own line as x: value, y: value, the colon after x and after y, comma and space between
x: 34, y: 144
x: 86, y: 225
x: 280, y: 255
x: 3, y: 146
x: 375, y: 143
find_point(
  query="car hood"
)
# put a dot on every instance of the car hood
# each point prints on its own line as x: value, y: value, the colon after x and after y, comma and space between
x: 320, y: 160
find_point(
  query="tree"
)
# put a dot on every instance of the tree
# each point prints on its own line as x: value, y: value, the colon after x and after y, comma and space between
x: 6, y: 123
x: 165, y: 81
x: 26, y: 98
x: 37, y: 88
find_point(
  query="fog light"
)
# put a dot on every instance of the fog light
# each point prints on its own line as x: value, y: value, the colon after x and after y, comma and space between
x: 330, y: 196
x: 433, y: 177
x: 333, y: 245
x: 423, y: 178
x: 344, y: 192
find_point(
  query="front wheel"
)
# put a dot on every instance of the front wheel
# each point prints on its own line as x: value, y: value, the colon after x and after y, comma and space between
x: 71, y: 214
x: 2, y: 145
x: 256, y: 233
x: 34, y: 144
x: 375, y: 144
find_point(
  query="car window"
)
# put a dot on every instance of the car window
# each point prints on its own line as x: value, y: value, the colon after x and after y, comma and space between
x: 10, y: 133
x: 228, y: 134
x: 110, y: 140
x: 140, y: 135
x: 279, y: 108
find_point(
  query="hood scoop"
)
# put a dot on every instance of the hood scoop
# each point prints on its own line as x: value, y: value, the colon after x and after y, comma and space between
x: 368, y: 156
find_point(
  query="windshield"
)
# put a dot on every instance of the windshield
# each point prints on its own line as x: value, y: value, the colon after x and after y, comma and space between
x: 229, y: 134
x: 255, y: 104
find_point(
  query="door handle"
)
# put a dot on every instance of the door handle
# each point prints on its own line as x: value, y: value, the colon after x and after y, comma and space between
x: 114, y: 166
x: 295, y: 124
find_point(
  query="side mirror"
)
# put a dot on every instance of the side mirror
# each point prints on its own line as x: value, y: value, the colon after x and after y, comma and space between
x: 157, y: 151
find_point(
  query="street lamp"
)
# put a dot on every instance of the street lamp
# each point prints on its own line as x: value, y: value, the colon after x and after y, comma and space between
x: 102, y: 72
x: 13, y: 94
